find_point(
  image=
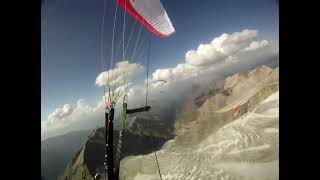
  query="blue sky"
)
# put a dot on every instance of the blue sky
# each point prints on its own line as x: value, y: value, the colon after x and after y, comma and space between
x: 71, y: 35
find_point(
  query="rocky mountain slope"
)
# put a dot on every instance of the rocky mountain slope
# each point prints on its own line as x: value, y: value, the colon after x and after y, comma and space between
x: 57, y: 151
x: 212, y: 143
x: 204, y: 139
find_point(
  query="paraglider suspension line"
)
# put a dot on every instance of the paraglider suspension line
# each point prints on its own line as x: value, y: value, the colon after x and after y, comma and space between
x: 147, y: 91
x: 148, y: 61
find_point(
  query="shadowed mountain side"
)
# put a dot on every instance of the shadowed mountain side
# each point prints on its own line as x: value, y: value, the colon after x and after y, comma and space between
x: 91, y: 156
x: 57, y: 151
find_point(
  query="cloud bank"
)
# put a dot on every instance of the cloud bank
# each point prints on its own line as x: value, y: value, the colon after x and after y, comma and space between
x: 224, y: 55
x: 66, y: 119
x: 124, y: 71
x: 222, y: 51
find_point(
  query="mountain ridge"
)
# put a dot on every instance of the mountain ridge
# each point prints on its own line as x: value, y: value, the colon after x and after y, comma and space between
x: 191, y: 125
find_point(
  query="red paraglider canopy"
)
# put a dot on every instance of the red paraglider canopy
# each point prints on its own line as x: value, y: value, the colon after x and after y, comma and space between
x: 151, y: 14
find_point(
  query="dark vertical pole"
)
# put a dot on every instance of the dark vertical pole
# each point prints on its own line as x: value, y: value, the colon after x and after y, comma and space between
x: 119, y: 146
x: 110, y: 145
x: 106, y: 143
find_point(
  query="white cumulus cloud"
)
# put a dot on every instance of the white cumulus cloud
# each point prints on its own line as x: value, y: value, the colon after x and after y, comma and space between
x: 220, y: 53
x: 61, y: 113
x: 220, y: 48
x: 256, y: 45
x: 66, y: 119
x: 124, y: 71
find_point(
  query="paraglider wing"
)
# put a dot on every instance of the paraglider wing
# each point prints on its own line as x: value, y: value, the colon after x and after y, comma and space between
x: 236, y: 111
x: 151, y: 14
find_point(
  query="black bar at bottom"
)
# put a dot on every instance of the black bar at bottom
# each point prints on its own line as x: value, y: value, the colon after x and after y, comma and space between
x: 141, y: 109
x: 106, y: 141
x: 110, y: 146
